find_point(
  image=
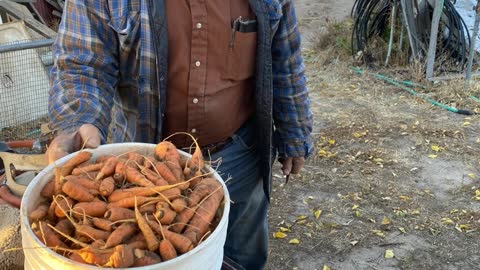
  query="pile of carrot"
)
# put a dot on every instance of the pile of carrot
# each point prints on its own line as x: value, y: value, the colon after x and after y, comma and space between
x: 129, y: 210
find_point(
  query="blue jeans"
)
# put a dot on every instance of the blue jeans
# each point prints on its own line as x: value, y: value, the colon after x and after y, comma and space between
x: 247, y: 234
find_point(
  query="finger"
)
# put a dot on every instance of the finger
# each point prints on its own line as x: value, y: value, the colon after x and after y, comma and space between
x: 287, y: 166
x: 89, y: 135
x: 61, y: 146
x: 297, y: 165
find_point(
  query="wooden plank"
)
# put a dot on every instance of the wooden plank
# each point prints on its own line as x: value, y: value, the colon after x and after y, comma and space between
x: 11, y: 9
x: 432, y: 48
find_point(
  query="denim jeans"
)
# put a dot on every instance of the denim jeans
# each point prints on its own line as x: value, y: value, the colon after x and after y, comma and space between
x: 247, y: 234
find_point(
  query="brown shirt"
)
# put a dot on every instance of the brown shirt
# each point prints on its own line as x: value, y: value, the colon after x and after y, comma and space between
x: 210, y: 81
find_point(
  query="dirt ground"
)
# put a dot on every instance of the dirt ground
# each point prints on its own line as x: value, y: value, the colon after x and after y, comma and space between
x: 391, y: 174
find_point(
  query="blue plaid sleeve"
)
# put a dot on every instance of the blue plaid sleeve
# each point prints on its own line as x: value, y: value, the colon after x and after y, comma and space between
x: 291, y: 108
x: 85, y: 69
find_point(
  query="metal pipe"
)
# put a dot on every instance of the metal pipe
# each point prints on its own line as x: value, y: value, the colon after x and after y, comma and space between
x: 432, y: 48
x: 472, y: 45
x: 26, y: 45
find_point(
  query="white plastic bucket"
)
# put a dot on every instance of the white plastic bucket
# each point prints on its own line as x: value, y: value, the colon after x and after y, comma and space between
x: 206, y: 256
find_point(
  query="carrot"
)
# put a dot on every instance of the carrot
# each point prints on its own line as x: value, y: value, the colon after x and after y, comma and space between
x: 180, y: 242
x: 51, y: 216
x: 94, y: 256
x: 82, y: 181
x: 49, y: 189
x: 176, y: 170
x: 182, y: 219
x: 145, y: 257
x: 135, y: 177
x: 167, y: 191
x: 47, y: 235
x: 91, y: 232
x: 93, y: 209
x: 138, y: 244
x: 166, y: 250
x: 103, y: 159
x: 156, y: 179
x: 152, y: 241
x: 63, y: 205
x: 116, y: 214
x: 137, y: 237
x: 99, y: 243
x: 86, y: 169
x: 77, y: 258
x: 121, y: 234
x: 77, y: 192
x: 108, y: 169
x: 130, y: 202
x: 148, y: 208
x: 122, y: 257
x: 166, y: 215
x: 78, y: 159
x: 39, y: 213
x: 120, y: 171
x: 179, y: 205
x: 65, y: 226
x: 205, y: 187
x: 204, y: 214
x: 167, y: 151
x: 135, y: 158
x: 166, y: 173
x: 102, y: 224
x: 106, y: 186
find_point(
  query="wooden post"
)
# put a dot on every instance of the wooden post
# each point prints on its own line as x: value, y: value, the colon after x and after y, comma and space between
x: 432, y: 48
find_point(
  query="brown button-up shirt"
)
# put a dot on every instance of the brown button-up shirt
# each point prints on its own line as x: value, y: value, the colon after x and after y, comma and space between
x: 210, y: 72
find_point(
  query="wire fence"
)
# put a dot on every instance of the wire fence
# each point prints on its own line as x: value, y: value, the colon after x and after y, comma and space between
x: 24, y: 85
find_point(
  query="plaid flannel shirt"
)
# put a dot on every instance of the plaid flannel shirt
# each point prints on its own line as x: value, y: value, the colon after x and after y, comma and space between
x: 96, y: 79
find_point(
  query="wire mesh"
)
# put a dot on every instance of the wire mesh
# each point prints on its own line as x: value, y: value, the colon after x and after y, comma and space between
x: 24, y: 86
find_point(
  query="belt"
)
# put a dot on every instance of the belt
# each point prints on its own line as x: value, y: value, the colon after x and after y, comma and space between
x: 215, y: 147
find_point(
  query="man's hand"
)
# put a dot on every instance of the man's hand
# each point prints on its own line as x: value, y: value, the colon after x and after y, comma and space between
x: 87, y: 136
x: 291, y: 165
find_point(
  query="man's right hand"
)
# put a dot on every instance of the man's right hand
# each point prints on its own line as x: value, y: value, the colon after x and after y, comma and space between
x: 87, y: 136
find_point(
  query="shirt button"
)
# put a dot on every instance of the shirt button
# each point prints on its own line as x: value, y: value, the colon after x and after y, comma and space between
x: 197, y: 63
x: 195, y: 100
x: 194, y: 130
x: 199, y: 25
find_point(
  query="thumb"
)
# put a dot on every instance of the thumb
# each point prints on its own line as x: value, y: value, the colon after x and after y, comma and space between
x: 89, y: 136
x: 287, y: 165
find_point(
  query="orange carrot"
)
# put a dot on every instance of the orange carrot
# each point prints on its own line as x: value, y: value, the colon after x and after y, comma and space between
x: 167, y: 191
x: 156, y: 179
x: 86, y: 169
x: 77, y: 192
x: 180, y: 242
x: 94, y: 256
x: 179, y: 205
x: 79, y: 158
x: 120, y: 171
x: 152, y: 241
x: 135, y: 177
x: 138, y: 244
x: 130, y: 202
x: 102, y: 224
x: 204, y: 188
x: 182, y: 219
x: 121, y: 234
x: 91, y: 232
x: 204, y: 214
x: 135, y: 158
x: 65, y: 226
x: 166, y: 250
x: 39, y: 213
x: 165, y: 215
x: 47, y: 235
x: 107, y: 186
x: 122, y: 257
x: 103, y: 158
x: 82, y: 181
x: 148, y: 208
x: 166, y: 173
x: 93, y: 209
x: 167, y: 151
x: 49, y: 189
x: 77, y: 258
x: 116, y: 214
x: 108, y: 169
x: 176, y: 170
x: 145, y: 257
x: 51, y: 215
x: 63, y: 205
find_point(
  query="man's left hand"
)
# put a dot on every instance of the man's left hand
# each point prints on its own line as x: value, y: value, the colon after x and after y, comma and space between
x: 292, y: 165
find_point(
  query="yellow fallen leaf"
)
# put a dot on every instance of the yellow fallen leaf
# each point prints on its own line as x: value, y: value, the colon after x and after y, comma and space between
x: 325, y: 267
x: 358, y: 213
x: 279, y: 235
x: 283, y: 229
x: 477, y: 193
x: 454, y: 211
x: 471, y: 175
x: 331, y: 142
x: 466, y: 123
x: 432, y: 156
x: 378, y: 233
x: 389, y: 254
x: 356, y: 206
x: 415, y: 212
x: 402, y: 229
x: 386, y: 221
x: 436, y: 148
x: 300, y: 218
x: 294, y: 241
x: 308, y: 234
x: 477, y: 199
x: 360, y: 134
x: 317, y: 213
x: 447, y: 221
x: 404, y: 198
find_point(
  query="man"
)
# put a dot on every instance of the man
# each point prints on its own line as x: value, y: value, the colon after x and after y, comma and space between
x: 235, y: 81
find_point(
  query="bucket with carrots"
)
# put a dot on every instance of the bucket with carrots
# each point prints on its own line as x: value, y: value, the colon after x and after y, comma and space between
x: 126, y: 206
